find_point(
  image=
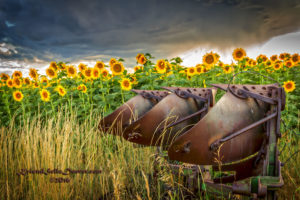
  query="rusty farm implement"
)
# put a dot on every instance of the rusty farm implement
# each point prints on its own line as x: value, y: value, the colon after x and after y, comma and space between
x: 228, y: 146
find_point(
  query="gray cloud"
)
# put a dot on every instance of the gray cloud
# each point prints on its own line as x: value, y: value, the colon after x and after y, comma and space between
x: 69, y: 30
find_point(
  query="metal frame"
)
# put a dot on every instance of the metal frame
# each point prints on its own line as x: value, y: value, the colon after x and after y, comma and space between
x: 269, y: 180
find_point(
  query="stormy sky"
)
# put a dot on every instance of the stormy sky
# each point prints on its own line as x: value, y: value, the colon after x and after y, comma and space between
x: 35, y: 31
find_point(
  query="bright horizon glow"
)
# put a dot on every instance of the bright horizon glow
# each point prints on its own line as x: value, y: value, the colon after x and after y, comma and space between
x: 276, y: 45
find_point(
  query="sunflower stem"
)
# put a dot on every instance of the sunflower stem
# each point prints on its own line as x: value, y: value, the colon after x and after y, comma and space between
x: 102, y: 92
x: 53, y: 111
x: 7, y: 107
x: 122, y: 95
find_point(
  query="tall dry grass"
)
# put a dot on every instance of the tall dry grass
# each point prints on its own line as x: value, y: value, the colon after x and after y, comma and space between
x: 64, y: 142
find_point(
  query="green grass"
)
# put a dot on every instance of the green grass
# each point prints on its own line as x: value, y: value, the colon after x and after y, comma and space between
x: 63, y: 142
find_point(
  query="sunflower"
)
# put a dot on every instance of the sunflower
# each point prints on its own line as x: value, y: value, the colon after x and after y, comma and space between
x: 88, y: 73
x: 35, y: 84
x: 104, y: 73
x: 261, y: 58
x: 287, y: 55
x: 191, y: 71
x: 142, y: 59
x: 27, y: 81
x: 17, y: 82
x: 95, y: 73
x: 117, y: 68
x: 126, y: 84
x: 277, y: 65
x: 17, y: 95
x: 249, y: 62
x: 282, y: 56
x: 133, y: 80
x: 44, y: 81
x: 33, y: 73
x: 51, y: 72
x: 10, y: 83
x: 112, y: 62
x: 136, y: 68
x: 253, y: 63
x: 161, y: 66
x: 295, y: 58
x: 289, y: 86
x: 227, y: 69
x: 17, y: 74
x: 288, y: 63
x: 61, y: 90
x: 205, y: 69
x: 138, y: 56
x: 199, y: 69
x: 238, y: 54
x: 82, y: 88
x: 71, y: 71
x: 53, y: 65
x: 4, y: 76
x: 62, y: 66
x: 45, y: 95
x: 81, y: 67
x: 268, y: 63
x: 100, y: 65
x: 210, y: 59
x: 274, y: 58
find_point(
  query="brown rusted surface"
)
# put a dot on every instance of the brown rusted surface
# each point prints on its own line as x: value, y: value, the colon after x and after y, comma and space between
x: 243, y: 169
x: 130, y: 111
x: 230, y: 114
x: 260, y: 91
x: 149, y: 129
x: 201, y: 93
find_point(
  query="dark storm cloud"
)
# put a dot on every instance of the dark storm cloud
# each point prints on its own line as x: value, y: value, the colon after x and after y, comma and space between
x: 69, y: 30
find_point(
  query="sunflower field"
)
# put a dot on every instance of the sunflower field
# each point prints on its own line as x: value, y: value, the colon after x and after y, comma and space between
x: 82, y: 91
x: 97, y: 89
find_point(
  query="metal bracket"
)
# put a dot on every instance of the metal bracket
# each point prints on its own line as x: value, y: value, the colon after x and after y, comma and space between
x: 151, y: 94
x: 202, y: 94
